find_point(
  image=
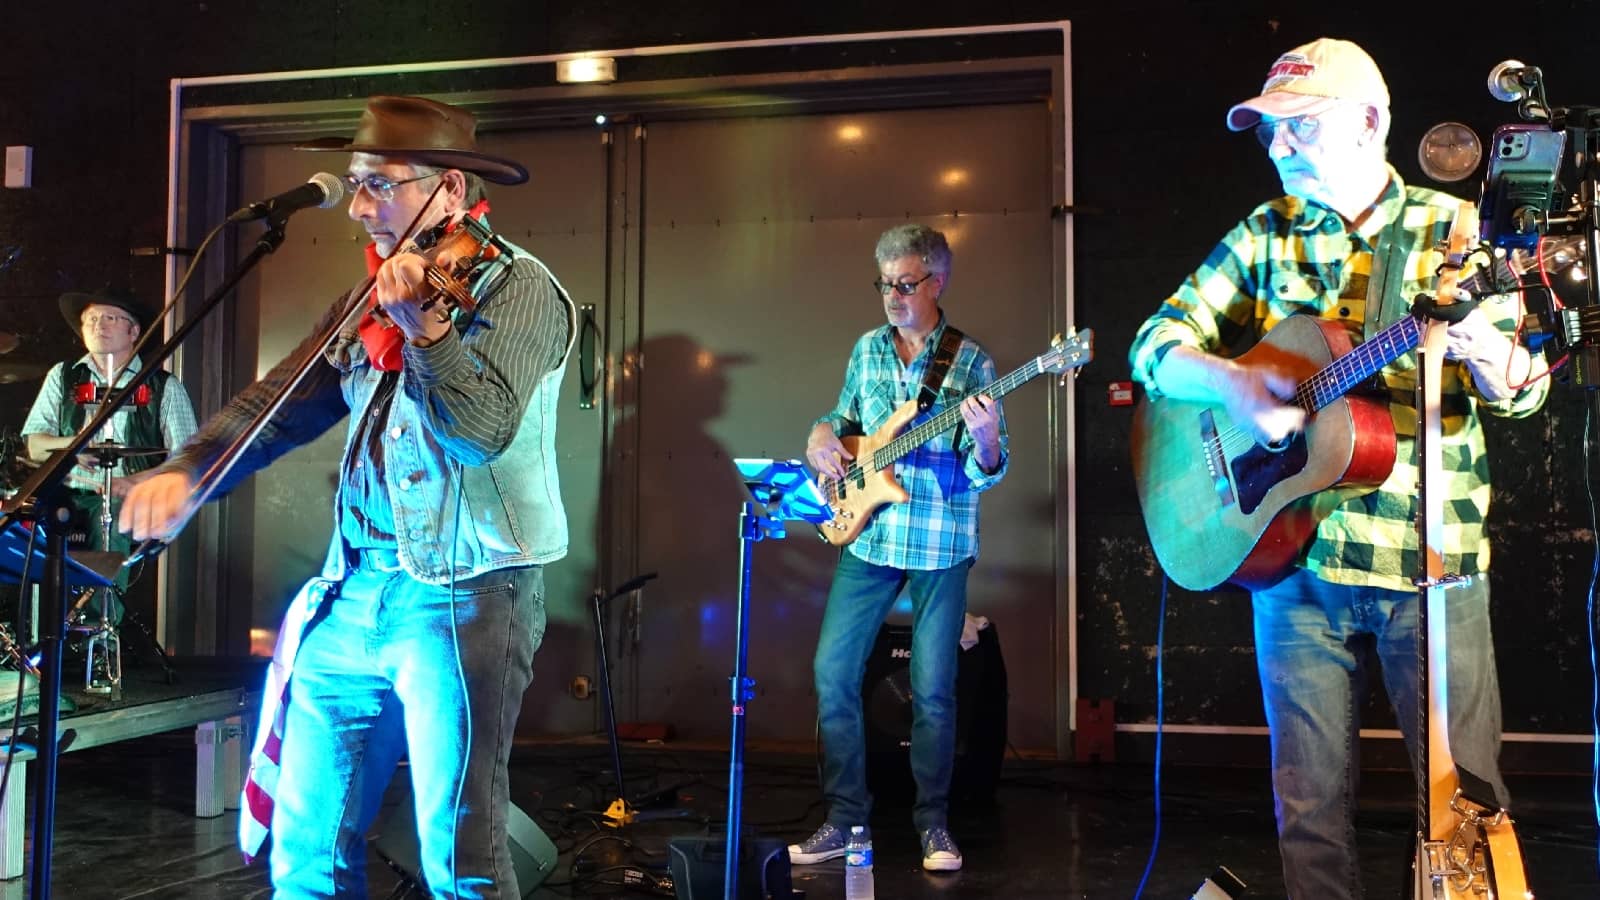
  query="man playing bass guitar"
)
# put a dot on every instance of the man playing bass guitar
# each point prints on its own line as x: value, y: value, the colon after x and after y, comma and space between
x: 1339, y: 258
x: 925, y: 544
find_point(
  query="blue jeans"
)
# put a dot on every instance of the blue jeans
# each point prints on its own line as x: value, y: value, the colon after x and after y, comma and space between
x: 393, y: 667
x: 1312, y: 638
x: 860, y: 599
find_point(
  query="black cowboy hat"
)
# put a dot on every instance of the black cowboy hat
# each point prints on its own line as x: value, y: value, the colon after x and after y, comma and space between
x: 73, y: 304
x: 424, y: 131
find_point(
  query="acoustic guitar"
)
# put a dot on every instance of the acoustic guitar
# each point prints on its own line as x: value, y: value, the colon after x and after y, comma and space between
x: 1220, y: 507
x: 869, y: 480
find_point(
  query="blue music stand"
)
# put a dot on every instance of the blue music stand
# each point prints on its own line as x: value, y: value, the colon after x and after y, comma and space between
x: 16, y: 561
x: 776, y: 491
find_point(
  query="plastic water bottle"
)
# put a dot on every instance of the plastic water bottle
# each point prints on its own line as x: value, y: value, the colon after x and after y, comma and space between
x: 858, y: 865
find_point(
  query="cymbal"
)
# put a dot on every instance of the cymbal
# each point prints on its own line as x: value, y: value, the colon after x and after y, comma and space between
x: 118, y: 451
x: 8, y: 342
x: 21, y: 371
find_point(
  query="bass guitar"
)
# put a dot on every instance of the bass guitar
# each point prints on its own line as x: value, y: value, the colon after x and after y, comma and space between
x: 869, y: 480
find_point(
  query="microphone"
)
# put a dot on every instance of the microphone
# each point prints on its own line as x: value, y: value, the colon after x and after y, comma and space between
x: 10, y: 256
x: 1505, y: 81
x: 322, y: 191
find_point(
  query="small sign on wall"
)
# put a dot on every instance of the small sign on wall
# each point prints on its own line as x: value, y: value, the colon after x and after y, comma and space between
x: 19, y: 167
x: 1119, y: 393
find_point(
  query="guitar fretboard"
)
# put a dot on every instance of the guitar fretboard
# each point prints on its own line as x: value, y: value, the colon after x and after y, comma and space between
x: 1369, y: 357
x: 946, y: 419
x: 1358, y: 365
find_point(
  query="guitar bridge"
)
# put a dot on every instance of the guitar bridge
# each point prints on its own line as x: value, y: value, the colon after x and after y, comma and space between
x: 1216, y: 462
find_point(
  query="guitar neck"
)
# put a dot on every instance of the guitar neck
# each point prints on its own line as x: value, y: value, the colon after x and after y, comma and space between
x: 1387, y: 346
x: 1359, y: 364
x: 890, y: 453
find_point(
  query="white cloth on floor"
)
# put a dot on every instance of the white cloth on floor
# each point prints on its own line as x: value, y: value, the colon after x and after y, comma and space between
x: 970, y: 629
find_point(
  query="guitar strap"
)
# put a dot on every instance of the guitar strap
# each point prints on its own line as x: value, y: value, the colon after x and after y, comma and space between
x: 1385, y: 301
x: 943, y: 356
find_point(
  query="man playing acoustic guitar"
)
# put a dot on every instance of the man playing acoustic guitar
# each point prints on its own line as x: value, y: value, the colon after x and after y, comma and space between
x: 925, y: 544
x: 1348, y: 247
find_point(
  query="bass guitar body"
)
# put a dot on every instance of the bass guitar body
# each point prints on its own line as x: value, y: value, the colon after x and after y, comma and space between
x: 856, y: 498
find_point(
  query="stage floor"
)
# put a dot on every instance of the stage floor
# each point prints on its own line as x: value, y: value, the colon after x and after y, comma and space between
x: 125, y: 827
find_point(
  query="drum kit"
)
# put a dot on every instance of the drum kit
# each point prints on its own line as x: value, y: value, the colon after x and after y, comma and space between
x: 94, y: 614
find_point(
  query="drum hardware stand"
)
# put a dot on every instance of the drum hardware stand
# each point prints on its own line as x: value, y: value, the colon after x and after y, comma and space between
x: 39, y: 500
x: 102, y: 665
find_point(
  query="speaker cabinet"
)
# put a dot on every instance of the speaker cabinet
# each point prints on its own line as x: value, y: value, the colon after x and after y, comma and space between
x: 981, y: 700
x: 533, y: 856
x: 699, y: 864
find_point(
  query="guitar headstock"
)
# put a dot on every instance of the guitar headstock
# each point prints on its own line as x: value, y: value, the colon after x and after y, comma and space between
x: 1068, y: 352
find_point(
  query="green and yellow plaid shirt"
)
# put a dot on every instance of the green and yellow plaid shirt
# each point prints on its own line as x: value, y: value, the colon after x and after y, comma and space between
x: 1290, y: 257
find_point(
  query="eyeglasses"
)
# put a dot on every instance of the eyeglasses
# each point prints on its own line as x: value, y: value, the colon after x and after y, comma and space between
x: 380, y: 187
x: 1304, y: 129
x: 906, y: 288
x: 93, y: 319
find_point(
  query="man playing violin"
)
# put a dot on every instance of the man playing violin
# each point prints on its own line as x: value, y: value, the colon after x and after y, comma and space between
x: 418, y: 637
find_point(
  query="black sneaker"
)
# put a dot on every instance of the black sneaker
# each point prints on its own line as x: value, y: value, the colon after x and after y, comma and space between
x: 939, y: 851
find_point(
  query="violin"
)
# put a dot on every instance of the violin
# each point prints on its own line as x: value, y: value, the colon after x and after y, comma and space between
x: 445, y: 289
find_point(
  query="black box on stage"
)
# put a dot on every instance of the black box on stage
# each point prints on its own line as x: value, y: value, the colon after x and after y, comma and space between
x: 981, y: 700
x: 698, y: 864
x: 533, y: 855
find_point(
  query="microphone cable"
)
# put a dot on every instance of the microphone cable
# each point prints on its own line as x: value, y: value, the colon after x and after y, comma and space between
x: 1161, y: 692
x: 1594, y: 575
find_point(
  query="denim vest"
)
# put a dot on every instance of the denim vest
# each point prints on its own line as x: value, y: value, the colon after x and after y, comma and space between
x: 499, y: 515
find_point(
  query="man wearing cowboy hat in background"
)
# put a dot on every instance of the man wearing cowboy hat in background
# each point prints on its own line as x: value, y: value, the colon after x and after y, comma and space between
x: 418, y: 637
x: 1323, y: 250
x: 110, y: 321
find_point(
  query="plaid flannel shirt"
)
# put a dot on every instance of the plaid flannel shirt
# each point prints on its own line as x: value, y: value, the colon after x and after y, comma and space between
x: 1290, y: 257
x: 938, y: 526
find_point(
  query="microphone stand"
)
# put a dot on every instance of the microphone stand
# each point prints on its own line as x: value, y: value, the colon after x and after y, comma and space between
x: 41, y: 499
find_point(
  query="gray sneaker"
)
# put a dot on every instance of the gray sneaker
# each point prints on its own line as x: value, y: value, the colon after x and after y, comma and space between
x: 939, y: 851
x: 828, y: 843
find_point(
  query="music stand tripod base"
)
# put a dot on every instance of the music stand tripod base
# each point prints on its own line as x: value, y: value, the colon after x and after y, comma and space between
x: 776, y: 491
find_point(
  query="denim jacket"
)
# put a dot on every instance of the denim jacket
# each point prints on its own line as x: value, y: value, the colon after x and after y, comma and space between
x: 483, y: 504
x: 505, y: 511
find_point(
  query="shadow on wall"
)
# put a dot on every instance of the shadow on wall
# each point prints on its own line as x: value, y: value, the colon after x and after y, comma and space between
x: 673, y: 649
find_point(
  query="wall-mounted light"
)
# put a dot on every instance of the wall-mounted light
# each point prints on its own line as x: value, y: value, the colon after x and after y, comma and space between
x: 586, y: 70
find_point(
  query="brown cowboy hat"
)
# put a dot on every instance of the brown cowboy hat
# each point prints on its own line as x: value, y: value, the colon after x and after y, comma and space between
x: 424, y: 131
x: 73, y: 304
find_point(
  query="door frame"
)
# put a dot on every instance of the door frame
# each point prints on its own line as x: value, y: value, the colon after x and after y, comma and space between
x: 203, y: 139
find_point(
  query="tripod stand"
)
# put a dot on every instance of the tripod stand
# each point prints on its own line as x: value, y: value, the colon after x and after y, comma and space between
x: 620, y: 812
x: 776, y: 491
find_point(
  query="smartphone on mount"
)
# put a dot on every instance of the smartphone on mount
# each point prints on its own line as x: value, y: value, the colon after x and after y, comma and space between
x: 1520, y: 184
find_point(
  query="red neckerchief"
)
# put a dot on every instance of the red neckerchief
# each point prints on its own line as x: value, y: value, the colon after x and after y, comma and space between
x: 383, y: 340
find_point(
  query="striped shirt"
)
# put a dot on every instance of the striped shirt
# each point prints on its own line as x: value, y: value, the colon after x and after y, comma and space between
x: 1290, y: 257
x: 474, y: 389
x: 938, y: 527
